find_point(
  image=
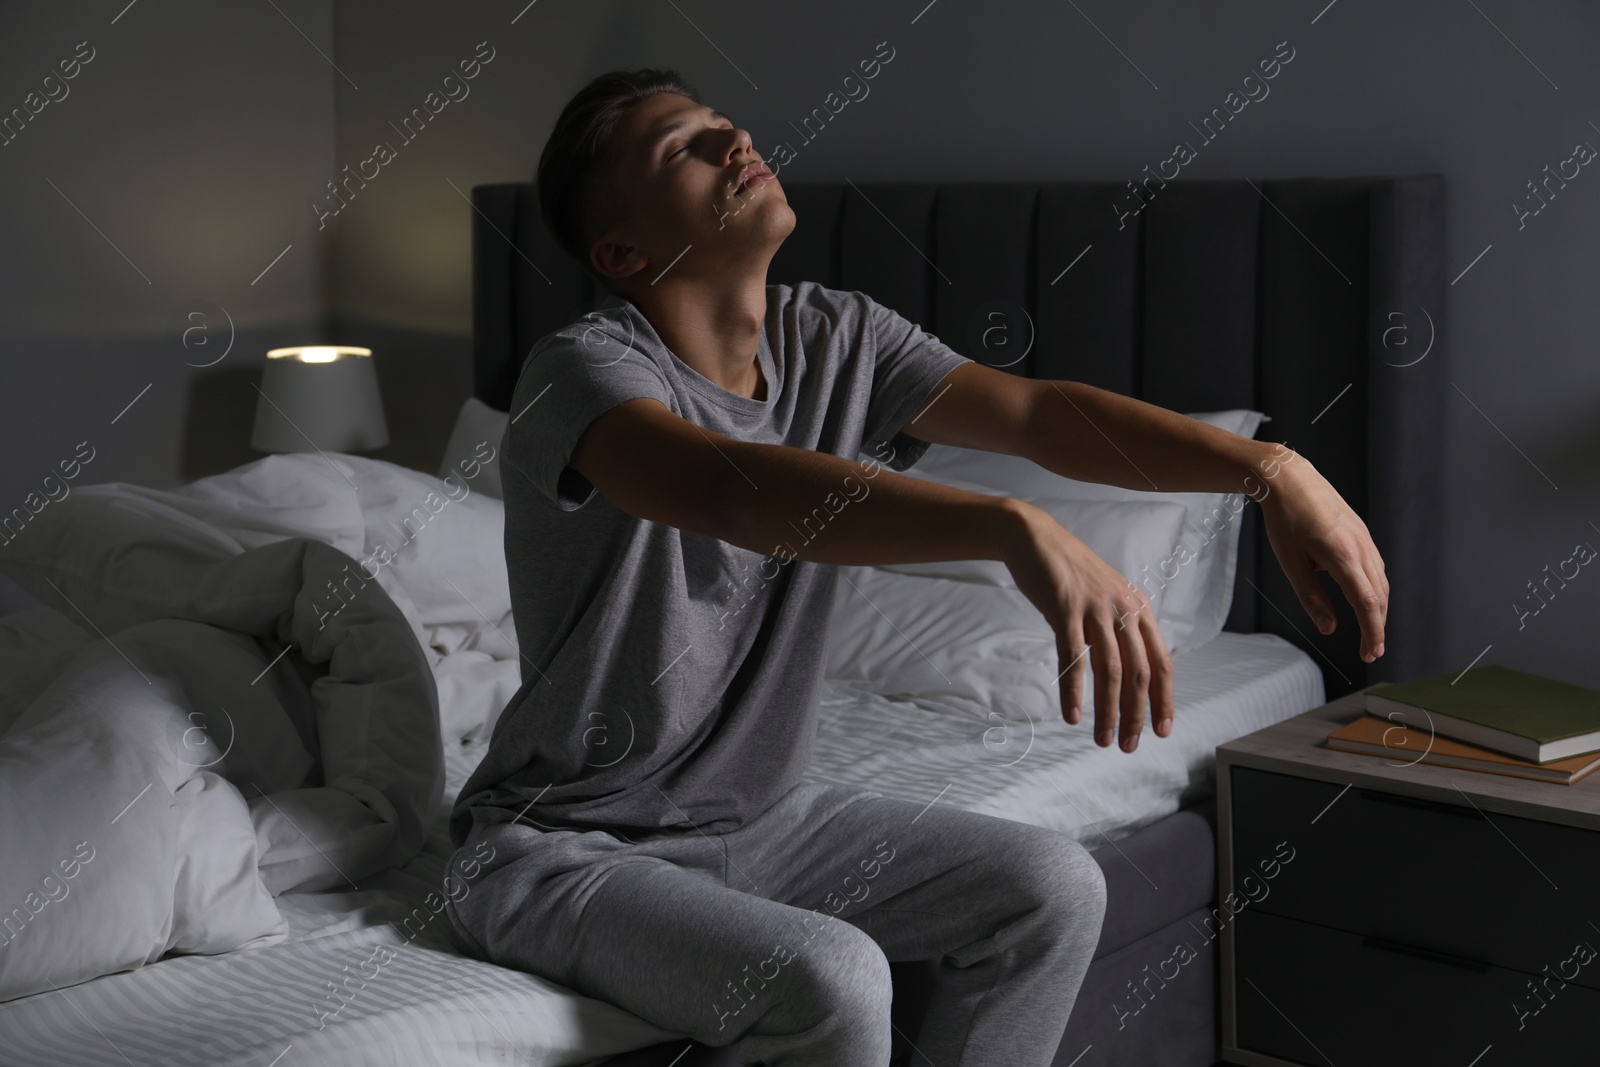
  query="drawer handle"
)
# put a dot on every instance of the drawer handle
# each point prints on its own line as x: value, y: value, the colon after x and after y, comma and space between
x: 1424, y: 953
x: 1440, y: 806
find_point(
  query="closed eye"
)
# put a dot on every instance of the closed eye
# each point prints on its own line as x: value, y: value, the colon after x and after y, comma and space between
x: 684, y: 148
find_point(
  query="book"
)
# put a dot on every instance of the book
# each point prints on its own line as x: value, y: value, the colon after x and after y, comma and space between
x: 1533, y: 718
x: 1373, y: 736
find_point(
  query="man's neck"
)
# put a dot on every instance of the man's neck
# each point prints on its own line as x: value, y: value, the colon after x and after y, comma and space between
x: 712, y: 325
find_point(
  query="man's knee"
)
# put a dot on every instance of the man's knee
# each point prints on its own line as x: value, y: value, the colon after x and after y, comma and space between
x: 841, y: 979
x: 1062, y: 879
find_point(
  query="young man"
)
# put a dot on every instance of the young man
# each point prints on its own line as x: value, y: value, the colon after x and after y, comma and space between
x: 638, y: 830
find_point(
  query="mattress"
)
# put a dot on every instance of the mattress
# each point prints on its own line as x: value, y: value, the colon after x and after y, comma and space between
x: 1040, y: 770
x: 429, y: 1004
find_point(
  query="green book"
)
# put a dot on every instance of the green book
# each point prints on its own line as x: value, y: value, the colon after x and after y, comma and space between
x: 1524, y: 715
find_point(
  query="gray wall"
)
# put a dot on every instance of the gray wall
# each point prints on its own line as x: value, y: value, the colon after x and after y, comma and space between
x: 225, y: 126
x: 174, y: 170
x: 1032, y: 90
x: 169, y: 173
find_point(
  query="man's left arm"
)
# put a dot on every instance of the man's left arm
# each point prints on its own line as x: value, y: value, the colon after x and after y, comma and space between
x: 1092, y: 435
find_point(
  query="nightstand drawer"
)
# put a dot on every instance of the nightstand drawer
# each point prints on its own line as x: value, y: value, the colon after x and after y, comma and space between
x: 1500, y: 889
x: 1311, y: 995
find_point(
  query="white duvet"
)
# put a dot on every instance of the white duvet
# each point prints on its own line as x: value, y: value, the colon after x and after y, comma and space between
x: 233, y: 690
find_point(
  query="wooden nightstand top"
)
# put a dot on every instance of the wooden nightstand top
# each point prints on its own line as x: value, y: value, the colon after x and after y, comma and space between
x: 1295, y: 746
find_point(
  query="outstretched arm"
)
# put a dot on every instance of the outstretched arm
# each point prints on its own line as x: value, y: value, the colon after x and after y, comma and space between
x: 1089, y: 434
x: 649, y: 462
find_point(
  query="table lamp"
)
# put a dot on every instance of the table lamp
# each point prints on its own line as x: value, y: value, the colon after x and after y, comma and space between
x: 319, y: 397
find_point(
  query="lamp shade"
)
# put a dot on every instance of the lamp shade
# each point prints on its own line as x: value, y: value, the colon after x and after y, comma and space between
x: 319, y: 397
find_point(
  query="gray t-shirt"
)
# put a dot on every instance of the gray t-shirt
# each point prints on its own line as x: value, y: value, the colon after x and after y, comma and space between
x: 671, y: 680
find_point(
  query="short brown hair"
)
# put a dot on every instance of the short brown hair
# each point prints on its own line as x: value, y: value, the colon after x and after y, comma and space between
x: 577, y: 199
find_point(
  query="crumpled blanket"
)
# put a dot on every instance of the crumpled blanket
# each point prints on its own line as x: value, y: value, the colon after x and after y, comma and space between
x: 340, y: 673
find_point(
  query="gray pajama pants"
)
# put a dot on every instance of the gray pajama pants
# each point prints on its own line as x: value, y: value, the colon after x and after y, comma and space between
x: 776, y: 938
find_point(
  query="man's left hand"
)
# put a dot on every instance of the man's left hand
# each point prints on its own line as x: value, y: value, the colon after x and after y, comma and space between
x: 1312, y: 529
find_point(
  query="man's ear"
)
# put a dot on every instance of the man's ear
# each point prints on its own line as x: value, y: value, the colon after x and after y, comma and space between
x: 614, y: 259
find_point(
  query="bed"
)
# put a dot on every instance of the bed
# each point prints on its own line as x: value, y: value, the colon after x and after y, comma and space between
x: 1314, y: 301
x: 1218, y: 298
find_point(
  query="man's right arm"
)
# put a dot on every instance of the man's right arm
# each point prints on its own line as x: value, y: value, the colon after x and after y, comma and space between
x: 651, y: 463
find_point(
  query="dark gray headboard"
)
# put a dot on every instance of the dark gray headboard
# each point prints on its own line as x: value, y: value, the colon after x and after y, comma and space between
x: 1312, y: 300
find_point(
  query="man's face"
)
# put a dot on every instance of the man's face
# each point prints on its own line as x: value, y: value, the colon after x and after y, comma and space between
x: 695, y: 196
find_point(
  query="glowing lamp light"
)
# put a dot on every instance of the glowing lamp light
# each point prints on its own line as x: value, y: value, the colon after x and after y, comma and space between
x: 319, y: 398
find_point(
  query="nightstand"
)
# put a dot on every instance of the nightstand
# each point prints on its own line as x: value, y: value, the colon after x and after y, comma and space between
x: 1375, y: 912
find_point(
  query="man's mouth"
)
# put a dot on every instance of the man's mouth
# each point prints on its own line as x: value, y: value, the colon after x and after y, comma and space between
x: 753, y: 176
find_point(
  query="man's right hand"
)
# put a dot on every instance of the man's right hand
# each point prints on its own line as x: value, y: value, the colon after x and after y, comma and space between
x: 1083, y: 598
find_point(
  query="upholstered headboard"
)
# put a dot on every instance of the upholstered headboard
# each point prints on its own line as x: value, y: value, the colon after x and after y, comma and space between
x: 1316, y: 301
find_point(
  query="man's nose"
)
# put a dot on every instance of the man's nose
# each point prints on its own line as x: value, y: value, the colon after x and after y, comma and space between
x: 740, y: 143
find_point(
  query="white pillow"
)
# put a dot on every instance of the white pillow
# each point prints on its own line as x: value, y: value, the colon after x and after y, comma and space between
x: 979, y: 646
x: 1193, y: 577
x: 118, y: 849
x: 1130, y: 535
x: 473, y: 448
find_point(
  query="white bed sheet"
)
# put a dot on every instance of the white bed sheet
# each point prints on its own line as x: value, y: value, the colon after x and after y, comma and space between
x: 1050, y: 774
